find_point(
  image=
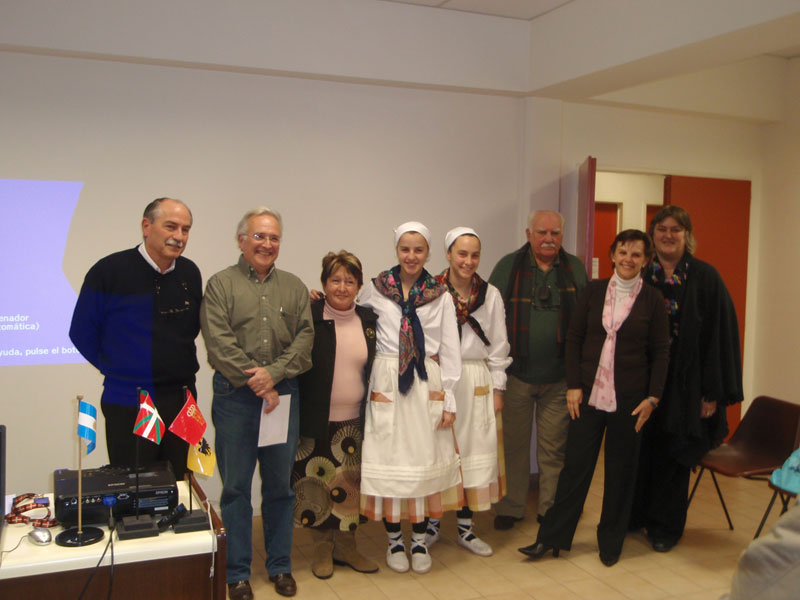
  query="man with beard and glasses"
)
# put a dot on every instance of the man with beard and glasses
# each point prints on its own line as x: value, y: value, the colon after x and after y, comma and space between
x: 136, y: 319
x: 539, y: 283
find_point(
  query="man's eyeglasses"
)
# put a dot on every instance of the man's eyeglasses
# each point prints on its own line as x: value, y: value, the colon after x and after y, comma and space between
x: 263, y: 237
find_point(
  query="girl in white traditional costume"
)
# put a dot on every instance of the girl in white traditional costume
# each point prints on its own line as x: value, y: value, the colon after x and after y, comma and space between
x: 479, y: 395
x: 409, y: 465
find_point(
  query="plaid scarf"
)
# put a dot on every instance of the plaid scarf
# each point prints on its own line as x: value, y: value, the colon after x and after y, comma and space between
x: 518, y: 298
x: 464, y: 309
x: 412, y: 338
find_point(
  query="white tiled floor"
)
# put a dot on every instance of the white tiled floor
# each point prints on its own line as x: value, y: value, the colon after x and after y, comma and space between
x: 698, y: 568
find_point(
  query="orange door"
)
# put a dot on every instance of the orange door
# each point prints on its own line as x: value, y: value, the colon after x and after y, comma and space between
x: 606, y: 218
x: 720, y: 212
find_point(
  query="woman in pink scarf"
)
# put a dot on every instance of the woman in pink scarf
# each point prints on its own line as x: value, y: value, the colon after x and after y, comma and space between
x: 616, y: 357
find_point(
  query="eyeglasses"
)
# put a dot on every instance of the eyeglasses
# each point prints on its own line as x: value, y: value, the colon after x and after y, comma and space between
x: 263, y: 237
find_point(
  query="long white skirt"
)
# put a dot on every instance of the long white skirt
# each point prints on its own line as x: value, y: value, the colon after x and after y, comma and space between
x: 404, y: 455
x: 476, y: 428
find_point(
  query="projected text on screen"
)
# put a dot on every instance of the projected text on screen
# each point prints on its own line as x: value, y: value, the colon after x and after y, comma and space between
x: 37, y: 300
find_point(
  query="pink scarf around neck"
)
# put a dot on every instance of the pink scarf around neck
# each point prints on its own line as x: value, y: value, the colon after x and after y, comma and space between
x: 603, y: 396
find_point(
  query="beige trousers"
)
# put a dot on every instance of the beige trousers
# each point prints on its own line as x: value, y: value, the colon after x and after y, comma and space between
x: 552, y: 421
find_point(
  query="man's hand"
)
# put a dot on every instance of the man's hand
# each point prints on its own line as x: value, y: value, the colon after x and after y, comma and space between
x: 260, y: 381
x: 272, y: 401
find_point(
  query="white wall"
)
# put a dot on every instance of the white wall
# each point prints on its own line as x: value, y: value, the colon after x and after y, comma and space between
x: 633, y: 192
x: 360, y: 39
x: 778, y: 330
x: 649, y: 142
x: 344, y: 163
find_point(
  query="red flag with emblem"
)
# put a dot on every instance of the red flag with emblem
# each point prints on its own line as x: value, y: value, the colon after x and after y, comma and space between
x: 148, y: 424
x: 189, y: 425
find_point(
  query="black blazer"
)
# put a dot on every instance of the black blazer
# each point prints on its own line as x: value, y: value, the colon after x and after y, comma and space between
x: 642, y: 351
x: 315, y: 384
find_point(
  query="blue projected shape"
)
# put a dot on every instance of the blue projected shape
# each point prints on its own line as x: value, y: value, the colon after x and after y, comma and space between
x: 36, y: 301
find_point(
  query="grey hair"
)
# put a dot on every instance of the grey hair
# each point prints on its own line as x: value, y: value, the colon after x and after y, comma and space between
x: 153, y: 210
x: 534, y: 214
x: 241, y: 228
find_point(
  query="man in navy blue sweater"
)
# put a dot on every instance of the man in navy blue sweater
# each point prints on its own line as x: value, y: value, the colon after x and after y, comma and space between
x: 136, y: 320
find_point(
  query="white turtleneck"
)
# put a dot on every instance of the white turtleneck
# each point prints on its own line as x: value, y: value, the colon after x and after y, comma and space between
x: 624, y: 289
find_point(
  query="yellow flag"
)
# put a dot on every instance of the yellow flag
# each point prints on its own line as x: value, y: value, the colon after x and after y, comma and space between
x: 201, y: 458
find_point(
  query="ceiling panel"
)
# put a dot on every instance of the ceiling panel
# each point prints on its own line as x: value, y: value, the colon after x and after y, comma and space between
x: 514, y: 9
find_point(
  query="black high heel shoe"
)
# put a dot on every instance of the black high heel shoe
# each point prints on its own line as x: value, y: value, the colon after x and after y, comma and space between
x: 537, y: 550
x: 609, y: 560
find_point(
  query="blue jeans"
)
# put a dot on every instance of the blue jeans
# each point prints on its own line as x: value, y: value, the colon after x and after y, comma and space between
x: 236, y: 413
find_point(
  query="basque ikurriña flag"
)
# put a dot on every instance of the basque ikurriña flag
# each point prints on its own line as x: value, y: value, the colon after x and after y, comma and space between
x: 87, y: 424
x: 189, y: 424
x: 148, y: 424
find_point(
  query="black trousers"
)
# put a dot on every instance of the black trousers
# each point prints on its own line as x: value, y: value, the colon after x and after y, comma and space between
x: 121, y: 442
x: 661, y: 499
x: 584, y: 439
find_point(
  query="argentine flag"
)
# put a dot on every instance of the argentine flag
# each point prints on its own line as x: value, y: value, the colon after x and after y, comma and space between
x: 87, y: 424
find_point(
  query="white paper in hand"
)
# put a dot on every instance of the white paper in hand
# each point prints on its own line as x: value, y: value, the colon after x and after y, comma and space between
x: 274, y: 428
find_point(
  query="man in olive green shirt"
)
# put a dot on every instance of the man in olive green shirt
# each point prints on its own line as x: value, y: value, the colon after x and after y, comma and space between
x: 539, y: 283
x: 258, y: 330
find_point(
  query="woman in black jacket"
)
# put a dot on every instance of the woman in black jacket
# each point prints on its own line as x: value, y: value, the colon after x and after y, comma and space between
x: 327, y: 472
x: 616, y: 358
x: 704, y: 378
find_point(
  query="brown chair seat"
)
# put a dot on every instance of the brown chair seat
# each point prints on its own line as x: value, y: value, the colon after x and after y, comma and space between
x: 766, y: 436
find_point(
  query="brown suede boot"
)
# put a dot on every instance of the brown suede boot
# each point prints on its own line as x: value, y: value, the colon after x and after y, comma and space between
x: 322, y: 561
x: 345, y: 553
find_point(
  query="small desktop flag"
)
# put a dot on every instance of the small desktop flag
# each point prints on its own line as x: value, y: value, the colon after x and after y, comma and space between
x: 189, y: 425
x: 148, y: 424
x: 201, y: 458
x: 87, y: 424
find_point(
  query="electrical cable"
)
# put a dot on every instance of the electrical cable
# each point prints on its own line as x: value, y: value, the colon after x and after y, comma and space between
x: 96, y: 567
x: 9, y: 551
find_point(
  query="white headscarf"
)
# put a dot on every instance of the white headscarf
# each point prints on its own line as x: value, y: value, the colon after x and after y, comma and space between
x: 412, y: 226
x: 455, y: 233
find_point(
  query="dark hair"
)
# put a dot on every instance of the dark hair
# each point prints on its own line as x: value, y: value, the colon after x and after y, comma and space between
x: 682, y: 217
x: 331, y: 262
x: 153, y: 210
x: 634, y: 235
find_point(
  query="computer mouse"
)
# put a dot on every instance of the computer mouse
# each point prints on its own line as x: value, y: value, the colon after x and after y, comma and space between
x: 40, y: 536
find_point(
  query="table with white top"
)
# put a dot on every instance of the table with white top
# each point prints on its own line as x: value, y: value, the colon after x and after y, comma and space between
x: 171, y: 565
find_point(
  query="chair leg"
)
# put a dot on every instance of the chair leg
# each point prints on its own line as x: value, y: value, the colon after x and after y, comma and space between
x: 766, y: 513
x: 696, y: 481
x: 721, y: 499
x: 785, y: 502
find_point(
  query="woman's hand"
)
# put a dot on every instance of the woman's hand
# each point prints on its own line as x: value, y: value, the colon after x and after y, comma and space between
x: 644, y: 410
x: 448, y: 418
x: 574, y: 399
x: 707, y: 409
x: 498, y: 401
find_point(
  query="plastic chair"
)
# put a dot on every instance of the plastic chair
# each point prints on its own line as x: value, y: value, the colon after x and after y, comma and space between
x: 766, y: 436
